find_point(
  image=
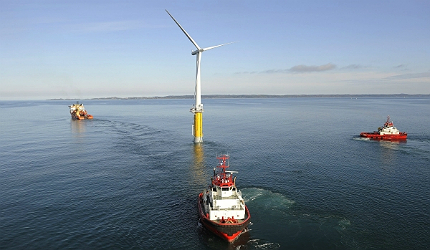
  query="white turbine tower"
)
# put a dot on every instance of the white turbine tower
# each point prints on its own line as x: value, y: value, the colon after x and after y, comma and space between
x: 197, y: 110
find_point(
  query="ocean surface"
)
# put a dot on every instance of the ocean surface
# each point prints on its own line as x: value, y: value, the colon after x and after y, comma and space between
x: 129, y: 178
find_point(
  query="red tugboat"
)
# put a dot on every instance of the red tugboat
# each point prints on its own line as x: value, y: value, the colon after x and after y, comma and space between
x: 387, y: 132
x: 222, y: 209
x: 78, y: 112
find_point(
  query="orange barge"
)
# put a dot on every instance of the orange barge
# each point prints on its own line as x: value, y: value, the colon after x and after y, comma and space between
x: 78, y: 112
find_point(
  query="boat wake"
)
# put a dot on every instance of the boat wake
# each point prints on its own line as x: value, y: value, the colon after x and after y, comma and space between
x: 272, y: 211
x: 260, y: 244
x: 361, y: 139
x: 266, y: 198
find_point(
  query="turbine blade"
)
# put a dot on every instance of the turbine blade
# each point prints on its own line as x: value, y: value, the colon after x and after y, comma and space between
x: 208, y: 48
x: 189, y: 37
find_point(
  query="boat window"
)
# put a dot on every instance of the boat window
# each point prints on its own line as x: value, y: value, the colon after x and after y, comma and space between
x: 214, y: 189
x: 224, y: 189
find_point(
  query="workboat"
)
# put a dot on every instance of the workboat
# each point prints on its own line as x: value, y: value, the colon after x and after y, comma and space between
x: 222, y: 208
x: 387, y: 132
x: 78, y: 112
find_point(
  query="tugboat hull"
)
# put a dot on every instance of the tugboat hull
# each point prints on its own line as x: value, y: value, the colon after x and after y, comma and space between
x: 227, y: 231
x: 376, y: 136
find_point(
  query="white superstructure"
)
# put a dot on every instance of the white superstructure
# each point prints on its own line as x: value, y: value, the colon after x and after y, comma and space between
x: 388, y: 128
x: 222, y: 200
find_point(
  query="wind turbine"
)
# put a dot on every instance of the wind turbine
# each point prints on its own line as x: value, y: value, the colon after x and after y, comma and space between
x: 197, y: 110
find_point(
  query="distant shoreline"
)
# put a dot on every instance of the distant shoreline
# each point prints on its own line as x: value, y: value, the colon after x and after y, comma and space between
x: 255, y: 96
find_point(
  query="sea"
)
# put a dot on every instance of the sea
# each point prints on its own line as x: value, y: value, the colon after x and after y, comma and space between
x: 130, y: 178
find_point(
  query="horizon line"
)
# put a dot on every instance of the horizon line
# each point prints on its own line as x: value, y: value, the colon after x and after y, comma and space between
x: 214, y: 96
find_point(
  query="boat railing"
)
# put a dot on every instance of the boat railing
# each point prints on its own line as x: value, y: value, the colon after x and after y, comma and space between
x: 235, y: 207
x: 231, y: 197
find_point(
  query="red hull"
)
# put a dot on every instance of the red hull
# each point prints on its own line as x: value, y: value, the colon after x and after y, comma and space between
x: 377, y: 136
x: 229, y: 231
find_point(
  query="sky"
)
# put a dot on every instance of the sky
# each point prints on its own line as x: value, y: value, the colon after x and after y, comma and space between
x: 78, y: 49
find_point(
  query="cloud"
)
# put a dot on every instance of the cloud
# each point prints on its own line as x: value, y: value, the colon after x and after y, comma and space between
x: 295, y: 69
x: 401, y: 67
x: 353, y: 66
x: 410, y: 76
x: 273, y: 71
x: 305, y: 68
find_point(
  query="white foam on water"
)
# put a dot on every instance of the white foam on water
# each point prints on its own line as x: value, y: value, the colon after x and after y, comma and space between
x: 260, y: 244
x: 266, y: 198
x: 344, y: 223
x: 361, y: 139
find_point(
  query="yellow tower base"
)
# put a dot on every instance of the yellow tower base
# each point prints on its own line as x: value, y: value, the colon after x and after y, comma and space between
x: 198, y: 127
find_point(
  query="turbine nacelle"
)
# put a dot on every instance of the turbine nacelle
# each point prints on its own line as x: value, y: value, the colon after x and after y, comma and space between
x: 198, y: 50
x: 195, y: 52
